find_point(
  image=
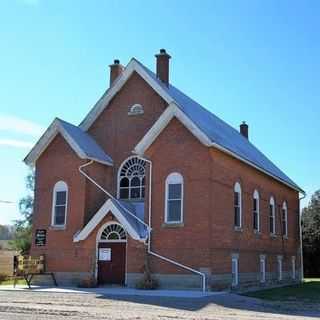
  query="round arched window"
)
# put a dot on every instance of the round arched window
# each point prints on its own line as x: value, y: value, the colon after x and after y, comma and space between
x: 132, y: 179
x: 113, y: 232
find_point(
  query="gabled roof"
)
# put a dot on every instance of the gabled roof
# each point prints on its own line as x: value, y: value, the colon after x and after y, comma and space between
x: 120, y: 209
x: 80, y: 141
x: 208, y: 128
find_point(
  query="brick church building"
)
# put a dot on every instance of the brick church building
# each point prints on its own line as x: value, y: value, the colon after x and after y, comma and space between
x: 151, y: 175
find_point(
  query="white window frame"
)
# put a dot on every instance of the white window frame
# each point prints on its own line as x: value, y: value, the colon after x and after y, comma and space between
x: 235, y: 271
x: 256, y: 197
x: 273, y: 204
x: 237, y: 189
x: 59, y: 187
x: 136, y: 109
x: 280, y: 266
x: 293, y: 266
x: 142, y: 186
x: 262, y: 268
x: 174, y: 178
x: 285, y: 210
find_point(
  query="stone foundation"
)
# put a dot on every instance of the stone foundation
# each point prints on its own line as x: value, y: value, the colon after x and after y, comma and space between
x: 63, y: 279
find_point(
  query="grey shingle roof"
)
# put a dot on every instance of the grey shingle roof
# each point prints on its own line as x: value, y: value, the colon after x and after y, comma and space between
x: 136, y: 208
x: 221, y: 133
x: 85, y: 142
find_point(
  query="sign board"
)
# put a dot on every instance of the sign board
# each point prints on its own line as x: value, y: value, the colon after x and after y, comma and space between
x: 41, y: 237
x: 105, y: 254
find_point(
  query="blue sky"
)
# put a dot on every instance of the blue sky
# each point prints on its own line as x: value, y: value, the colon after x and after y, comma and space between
x: 257, y: 61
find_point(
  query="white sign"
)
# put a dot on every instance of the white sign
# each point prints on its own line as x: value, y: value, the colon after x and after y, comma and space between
x: 105, y: 254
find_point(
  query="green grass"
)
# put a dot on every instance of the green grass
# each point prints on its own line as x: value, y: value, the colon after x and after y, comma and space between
x: 308, y: 291
x: 10, y: 282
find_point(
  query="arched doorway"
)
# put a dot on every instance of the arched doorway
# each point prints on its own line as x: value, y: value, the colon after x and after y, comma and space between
x: 112, y: 240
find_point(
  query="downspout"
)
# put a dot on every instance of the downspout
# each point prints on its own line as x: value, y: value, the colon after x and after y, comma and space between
x: 150, y: 230
x: 109, y: 194
x: 147, y: 225
x: 300, y: 231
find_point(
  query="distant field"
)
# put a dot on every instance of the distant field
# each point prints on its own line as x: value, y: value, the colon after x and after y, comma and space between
x: 308, y: 291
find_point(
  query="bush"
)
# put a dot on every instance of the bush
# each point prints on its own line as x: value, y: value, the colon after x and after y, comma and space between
x: 89, y: 282
x: 3, y: 277
x: 147, y: 283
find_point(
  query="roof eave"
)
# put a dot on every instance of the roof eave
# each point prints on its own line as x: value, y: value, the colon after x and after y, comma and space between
x: 217, y: 146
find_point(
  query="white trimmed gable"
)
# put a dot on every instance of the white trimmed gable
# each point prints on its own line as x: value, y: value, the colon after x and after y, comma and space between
x: 171, y: 112
x: 133, y: 66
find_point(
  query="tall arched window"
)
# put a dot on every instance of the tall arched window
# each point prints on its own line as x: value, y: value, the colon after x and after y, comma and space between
x: 59, y: 204
x: 131, y: 179
x: 237, y: 205
x: 256, y: 211
x: 284, y: 219
x: 272, y: 216
x: 174, y: 198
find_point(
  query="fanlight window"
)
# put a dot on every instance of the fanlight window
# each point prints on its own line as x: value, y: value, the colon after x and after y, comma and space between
x: 113, y: 232
x: 132, y: 179
x: 135, y: 110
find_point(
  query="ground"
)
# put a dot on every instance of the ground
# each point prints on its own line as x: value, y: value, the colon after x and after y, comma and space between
x: 30, y: 304
x: 307, y: 292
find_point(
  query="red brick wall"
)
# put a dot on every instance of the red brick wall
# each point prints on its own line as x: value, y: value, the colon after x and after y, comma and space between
x: 59, y: 162
x: 208, y: 238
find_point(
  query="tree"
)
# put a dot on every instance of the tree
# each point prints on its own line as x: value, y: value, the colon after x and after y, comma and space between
x: 6, y: 232
x: 23, y: 226
x: 311, y: 236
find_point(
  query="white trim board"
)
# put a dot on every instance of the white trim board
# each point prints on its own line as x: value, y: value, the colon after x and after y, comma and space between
x: 174, y: 111
x: 52, y: 131
x: 170, y: 112
x: 107, y: 207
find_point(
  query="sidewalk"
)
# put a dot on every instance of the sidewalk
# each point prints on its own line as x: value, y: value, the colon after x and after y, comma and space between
x: 115, y: 291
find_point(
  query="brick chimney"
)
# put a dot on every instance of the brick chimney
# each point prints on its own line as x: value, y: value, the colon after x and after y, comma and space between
x: 163, y: 66
x: 244, y: 129
x: 115, y: 70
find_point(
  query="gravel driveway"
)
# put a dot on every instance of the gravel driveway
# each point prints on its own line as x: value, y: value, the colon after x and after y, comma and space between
x: 43, y: 305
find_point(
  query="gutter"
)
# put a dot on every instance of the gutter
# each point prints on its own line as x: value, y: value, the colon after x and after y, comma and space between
x: 147, y: 225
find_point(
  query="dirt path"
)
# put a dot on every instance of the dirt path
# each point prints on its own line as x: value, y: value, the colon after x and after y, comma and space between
x: 41, y: 305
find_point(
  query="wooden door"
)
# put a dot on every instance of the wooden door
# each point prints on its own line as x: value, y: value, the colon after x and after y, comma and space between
x: 111, y: 262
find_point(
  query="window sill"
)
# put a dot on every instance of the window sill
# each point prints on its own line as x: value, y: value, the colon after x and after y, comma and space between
x: 285, y: 237
x: 257, y: 233
x: 172, y: 225
x: 57, y: 228
x: 238, y: 229
x: 273, y: 236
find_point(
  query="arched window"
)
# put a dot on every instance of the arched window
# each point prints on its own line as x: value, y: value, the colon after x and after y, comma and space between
x: 256, y: 211
x: 131, y: 179
x: 113, y: 232
x: 174, y: 198
x: 59, y: 204
x: 135, y: 110
x: 237, y: 205
x: 272, y: 216
x: 284, y: 219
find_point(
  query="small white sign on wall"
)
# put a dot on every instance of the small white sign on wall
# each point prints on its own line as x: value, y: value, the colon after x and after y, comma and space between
x: 105, y: 254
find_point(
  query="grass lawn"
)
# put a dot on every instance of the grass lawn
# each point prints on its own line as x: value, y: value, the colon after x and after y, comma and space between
x: 10, y: 282
x: 308, y: 291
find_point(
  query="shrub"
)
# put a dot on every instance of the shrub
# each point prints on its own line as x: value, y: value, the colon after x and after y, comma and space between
x: 88, y: 282
x: 147, y: 283
x: 3, y: 277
